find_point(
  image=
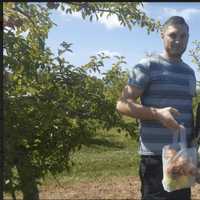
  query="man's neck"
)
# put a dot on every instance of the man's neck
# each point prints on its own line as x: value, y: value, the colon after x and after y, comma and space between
x: 174, y: 59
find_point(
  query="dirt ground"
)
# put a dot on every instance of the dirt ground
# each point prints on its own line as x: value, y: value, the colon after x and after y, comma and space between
x: 115, y: 188
x: 123, y: 188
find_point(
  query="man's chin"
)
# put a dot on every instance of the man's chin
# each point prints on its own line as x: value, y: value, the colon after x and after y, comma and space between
x: 176, y: 54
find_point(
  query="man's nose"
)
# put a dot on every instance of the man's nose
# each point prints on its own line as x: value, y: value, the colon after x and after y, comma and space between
x: 177, y: 41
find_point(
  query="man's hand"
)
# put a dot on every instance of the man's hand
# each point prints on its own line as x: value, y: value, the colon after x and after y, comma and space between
x: 127, y: 105
x: 166, y: 117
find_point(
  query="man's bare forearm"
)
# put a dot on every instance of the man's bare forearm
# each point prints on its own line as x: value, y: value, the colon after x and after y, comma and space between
x: 135, y: 110
x: 164, y: 115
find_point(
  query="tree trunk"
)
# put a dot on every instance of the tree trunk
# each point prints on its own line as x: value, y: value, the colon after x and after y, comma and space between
x: 28, y: 179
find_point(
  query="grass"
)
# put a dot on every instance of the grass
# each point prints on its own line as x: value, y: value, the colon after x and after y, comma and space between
x: 108, y: 154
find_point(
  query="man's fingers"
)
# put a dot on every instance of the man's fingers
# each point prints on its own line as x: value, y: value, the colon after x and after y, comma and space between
x: 176, y: 126
x: 174, y: 112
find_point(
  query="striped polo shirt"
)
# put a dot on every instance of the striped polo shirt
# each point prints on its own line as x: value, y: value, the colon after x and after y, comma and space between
x: 163, y: 84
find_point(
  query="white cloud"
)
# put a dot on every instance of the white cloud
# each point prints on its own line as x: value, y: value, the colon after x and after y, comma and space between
x: 60, y: 11
x: 111, y: 54
x: 186, y: 13
x: 111, y: 22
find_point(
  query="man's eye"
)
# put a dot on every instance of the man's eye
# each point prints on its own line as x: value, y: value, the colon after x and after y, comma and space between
x: 172, y: 36
x: 183, y: 36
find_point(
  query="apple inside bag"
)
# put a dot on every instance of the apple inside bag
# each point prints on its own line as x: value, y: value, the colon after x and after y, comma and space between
x: 179, y: 164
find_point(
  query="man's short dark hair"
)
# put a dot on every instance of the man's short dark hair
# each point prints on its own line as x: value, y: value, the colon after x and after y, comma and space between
x: 174, y: 20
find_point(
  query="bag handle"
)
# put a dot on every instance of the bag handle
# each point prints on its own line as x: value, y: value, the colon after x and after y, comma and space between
x: 183, y: 142
x: 182, y: 133
x: 175, y: 137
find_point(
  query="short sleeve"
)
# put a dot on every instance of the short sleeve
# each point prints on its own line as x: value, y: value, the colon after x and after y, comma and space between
x: 140, y: 74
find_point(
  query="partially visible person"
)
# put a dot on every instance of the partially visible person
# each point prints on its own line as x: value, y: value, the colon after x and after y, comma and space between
x: 165, y: 85
x: 197, y: 123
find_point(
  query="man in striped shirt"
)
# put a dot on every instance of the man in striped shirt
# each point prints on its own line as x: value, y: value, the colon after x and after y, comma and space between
x: 166, y: 86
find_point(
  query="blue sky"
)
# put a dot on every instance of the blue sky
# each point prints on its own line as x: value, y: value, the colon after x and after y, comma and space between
x: 90, y: 38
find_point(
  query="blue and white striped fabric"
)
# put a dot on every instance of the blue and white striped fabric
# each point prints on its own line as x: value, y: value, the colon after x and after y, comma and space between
x: 164, y: 84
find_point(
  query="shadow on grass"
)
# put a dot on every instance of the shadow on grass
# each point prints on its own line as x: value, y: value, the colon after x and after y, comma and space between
x: 103, y: 142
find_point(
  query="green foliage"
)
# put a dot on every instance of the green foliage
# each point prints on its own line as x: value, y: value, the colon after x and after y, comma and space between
x: 195, y: 53
x: 51, y: 106
x: 115, y: 79
x: 113, y: 82
x: 128, y: 13
x: 24, y: 57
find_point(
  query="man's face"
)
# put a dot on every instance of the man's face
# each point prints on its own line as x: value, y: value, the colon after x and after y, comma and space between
x: 175, y: 38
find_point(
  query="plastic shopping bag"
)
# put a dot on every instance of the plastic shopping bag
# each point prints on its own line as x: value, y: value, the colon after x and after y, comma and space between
x: 179, y: 164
